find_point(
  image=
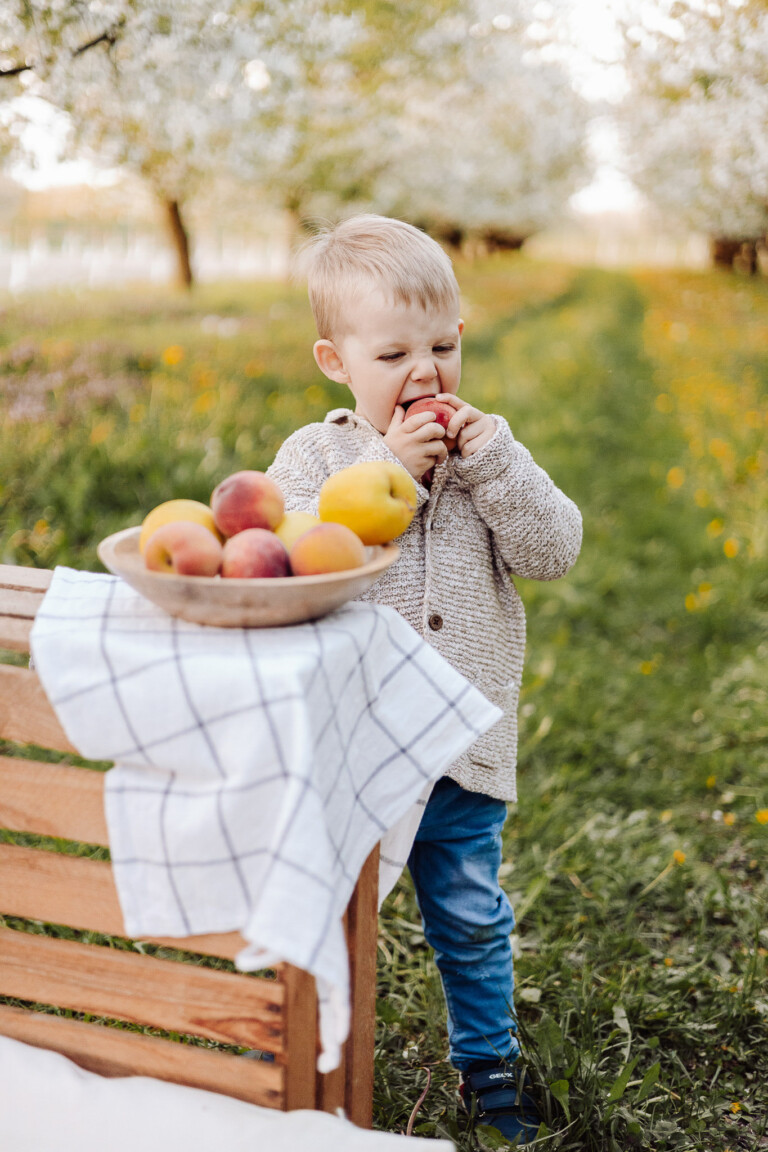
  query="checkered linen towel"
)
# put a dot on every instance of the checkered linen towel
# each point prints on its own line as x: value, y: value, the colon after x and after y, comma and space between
x: 255, y: 769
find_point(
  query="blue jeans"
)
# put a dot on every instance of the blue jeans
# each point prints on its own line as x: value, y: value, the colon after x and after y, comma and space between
x: 467, y: 919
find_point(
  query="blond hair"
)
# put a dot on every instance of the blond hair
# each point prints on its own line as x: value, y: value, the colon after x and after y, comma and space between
x: 367, y: 250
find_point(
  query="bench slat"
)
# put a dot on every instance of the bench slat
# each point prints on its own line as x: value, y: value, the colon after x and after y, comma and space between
x: 25, y: 579
x: 81, y: 893
x: 114, y: 1052
x: 14, y: 633
x: 25, y: 713
x: 221, y: 1006
x: 19, y: 602
x: 52, y: 800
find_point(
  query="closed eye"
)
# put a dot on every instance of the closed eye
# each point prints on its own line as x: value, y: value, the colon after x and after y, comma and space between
x: 444, y: 348
x: 390, y: 357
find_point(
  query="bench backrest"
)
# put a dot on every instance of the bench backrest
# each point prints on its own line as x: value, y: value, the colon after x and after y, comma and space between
x: 51, y: 900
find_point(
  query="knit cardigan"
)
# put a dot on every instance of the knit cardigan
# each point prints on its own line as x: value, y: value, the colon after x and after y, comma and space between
x: 484, y: 519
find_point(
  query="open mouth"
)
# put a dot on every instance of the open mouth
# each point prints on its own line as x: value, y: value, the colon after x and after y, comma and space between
x: 407, y: 403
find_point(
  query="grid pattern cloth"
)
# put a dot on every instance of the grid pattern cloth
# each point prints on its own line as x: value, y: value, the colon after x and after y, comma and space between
x: 254, y: 769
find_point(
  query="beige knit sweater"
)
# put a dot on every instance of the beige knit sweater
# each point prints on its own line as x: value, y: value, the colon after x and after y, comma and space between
x: 492, y: 515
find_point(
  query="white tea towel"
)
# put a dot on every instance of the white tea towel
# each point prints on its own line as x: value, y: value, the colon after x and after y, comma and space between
x: 255, y: 769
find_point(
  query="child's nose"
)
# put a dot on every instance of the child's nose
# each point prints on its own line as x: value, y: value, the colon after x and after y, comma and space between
x: 424, y: 369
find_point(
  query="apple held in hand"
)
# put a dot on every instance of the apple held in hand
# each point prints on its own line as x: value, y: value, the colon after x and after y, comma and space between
x: 327, y: 548
x: 183, y: 548
x: 247, y: 500
x: 171, y: 510
x: 377, y: 500
x: 441, y: 411
x: 255, y: 552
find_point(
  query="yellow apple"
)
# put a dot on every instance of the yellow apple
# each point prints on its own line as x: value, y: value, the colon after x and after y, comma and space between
x: 173, y: 510
x: 377, y: 500
x: 293, y: 525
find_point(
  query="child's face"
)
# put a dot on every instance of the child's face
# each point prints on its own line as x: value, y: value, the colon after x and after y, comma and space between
x: 392, y: 353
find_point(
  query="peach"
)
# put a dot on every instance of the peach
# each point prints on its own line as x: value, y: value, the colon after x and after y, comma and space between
x: 255, y: 552
x: 327, y: 548
x: 172, y: 510
x: 293, y: 525
x: 184, y: 548
x: 247, y: 500
x: 376, y: 499
x: 441, y: 411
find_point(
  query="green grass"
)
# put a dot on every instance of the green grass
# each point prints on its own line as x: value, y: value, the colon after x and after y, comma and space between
x: 641, y: 976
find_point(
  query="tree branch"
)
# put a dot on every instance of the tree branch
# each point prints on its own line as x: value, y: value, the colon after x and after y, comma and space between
x: 109, y: 36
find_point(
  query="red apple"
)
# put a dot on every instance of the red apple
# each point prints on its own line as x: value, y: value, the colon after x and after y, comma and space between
x: 247, y: 500
x: 255, y: 552
x: 441, y: 411
x: 185, y: 548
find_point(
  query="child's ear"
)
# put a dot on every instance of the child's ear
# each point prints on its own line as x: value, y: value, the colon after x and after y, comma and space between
x: 461, y: 327
x: 329, y: 361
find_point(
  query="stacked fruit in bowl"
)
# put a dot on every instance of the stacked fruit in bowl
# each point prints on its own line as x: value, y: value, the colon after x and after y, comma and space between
x: 245, y: 532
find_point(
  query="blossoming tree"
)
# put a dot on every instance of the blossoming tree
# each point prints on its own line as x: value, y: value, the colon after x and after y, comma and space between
x: 696, y: 119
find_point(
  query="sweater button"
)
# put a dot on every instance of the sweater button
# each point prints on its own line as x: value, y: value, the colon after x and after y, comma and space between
x: 435, y: 622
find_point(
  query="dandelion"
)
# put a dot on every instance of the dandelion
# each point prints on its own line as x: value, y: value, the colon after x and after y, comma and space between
x: 678, y: 856
x: 715, y: 527
x: 665, y: 816
x: 735, y: 1107
x: 711, y: 781
x: 647, y: 667
x: 668, y: 961
x: 100, y: 431
x: 731, y: 547
x: 204, y: 402
x: 720, y: 449
x: 173, y: 355
x: 762, y: 815
x: 676, y: 477
x: 691, y: 602
x: 729, y: 819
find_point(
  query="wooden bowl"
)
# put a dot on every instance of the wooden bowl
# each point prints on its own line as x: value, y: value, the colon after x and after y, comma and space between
x: 237, y: 603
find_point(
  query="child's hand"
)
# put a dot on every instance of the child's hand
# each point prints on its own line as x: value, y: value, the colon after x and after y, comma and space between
x: 417, y: 441
x: 470, y: 427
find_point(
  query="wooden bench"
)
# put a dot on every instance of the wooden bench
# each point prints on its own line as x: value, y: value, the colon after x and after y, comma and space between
x: 274, y: 1016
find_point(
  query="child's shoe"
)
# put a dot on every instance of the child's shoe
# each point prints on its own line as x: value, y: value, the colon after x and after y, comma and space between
x: 493, y: 1094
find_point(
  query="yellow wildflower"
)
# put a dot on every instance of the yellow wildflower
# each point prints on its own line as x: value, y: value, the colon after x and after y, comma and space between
x: 729, y: 819
x: 762, y: 815
x: 691, y: 602
x: 173, y: 355
x: 735, y: 1107
x: 715, y: 527
x: 668, y: 961
x: 731, y: 547
x: 678, y: 856
x: 676, y: 477
x: 711, y: 781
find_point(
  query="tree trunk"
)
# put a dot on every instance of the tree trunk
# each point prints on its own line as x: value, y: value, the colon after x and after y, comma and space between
x: 734, y: 254
x: 496, y: 241
x: 180, y: 240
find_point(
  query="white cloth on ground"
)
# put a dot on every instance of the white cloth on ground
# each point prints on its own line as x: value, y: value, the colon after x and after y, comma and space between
x: 84, y: 1112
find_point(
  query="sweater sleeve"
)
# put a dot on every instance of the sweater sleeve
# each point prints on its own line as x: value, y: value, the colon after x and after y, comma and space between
x: 299, y: 470
x: 536, y: 527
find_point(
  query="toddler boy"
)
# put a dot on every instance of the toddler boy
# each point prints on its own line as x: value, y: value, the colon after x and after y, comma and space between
x: 386, y: 305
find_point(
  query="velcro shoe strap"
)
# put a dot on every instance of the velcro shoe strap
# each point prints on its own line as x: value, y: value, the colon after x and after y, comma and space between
x: 496, y: 1100
x: 491, y: 1078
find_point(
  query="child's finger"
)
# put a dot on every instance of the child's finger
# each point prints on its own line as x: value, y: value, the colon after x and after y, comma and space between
x: 398, y: 416
x: 458, y: 421
x: 420, y: 420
